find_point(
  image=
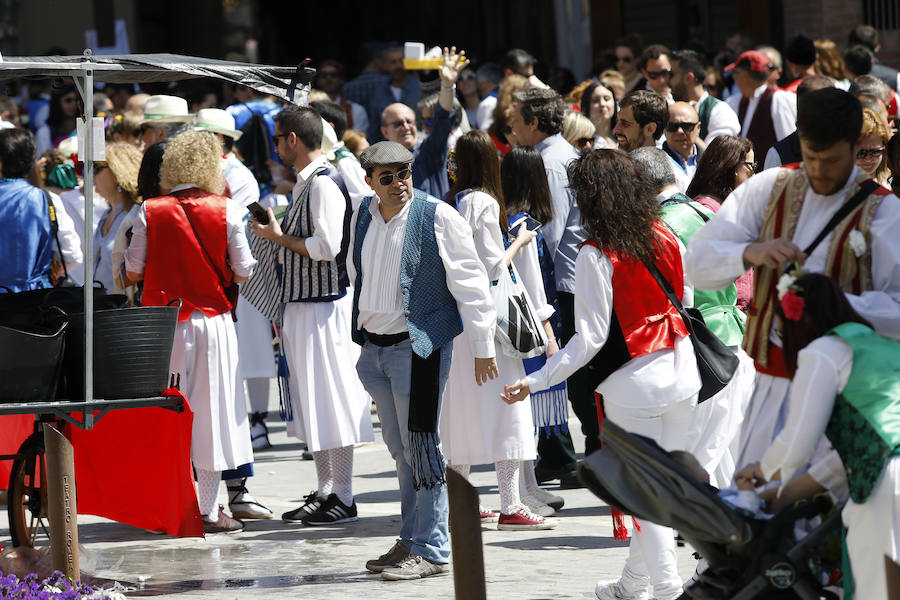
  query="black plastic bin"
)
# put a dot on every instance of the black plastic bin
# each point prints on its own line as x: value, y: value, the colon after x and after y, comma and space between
x: 132, y: 351
x: 30, y: 361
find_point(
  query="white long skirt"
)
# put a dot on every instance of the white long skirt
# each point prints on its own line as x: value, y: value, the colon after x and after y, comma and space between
x: 330, y: 406
x: 254, y: 334
x: 205, y: 354
x: 717, y: 423
x: 873, y: 532
x: 476, y: 426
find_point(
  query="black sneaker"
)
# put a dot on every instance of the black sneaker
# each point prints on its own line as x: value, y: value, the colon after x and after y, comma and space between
x: 331, y: 512
x: 311, y: 504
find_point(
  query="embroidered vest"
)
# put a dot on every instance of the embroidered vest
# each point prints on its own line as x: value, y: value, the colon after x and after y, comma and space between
x: 432, y: 317
x: 643, y: 319
x: 723, y: 318
x: 864, y: 426
x: 176, y: 265
x: 762, y: 129
x: 306, y: 279
x: 704, y: 110
x: 853, y: 274
x: 26, y: 238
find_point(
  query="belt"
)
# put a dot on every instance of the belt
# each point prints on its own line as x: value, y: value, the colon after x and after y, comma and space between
x: 386, y: 340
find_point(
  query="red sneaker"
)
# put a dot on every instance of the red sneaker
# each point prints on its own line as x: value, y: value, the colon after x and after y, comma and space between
x: 524, y: 520
x: 487, y: 516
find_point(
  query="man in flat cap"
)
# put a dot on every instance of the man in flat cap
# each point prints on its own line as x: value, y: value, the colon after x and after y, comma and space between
x: 417, y: 282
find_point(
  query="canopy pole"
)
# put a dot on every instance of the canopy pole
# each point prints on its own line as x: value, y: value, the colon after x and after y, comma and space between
x: 88, y: 161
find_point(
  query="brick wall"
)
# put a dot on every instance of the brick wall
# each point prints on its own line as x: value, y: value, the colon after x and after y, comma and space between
x: 833, y: 19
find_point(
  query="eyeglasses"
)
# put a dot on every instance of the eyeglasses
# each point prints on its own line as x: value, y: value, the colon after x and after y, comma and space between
x: 467, y: 77
x: 401, y: 123
x: 673, y: 126
x: 658, y: 74
x: 98, y: 168
x: 388, y: 178
x: 869, y: 153
x: 279, y: 135
x: 753, y: 165
x: 624, y: 59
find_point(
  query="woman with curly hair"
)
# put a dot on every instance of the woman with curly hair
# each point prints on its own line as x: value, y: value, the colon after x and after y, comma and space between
x: 628, y: 328
x: 191, y: 245
x: 846, y: 387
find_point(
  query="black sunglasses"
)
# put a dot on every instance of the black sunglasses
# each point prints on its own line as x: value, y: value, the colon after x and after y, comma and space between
x: 98, y: 168
x: 624, y: 58
x: 873, y: 152
x: 674, y: 126
x: 658, y: 74
x: 279, y: 135
x: 753, y: 165
x: 388, y: 178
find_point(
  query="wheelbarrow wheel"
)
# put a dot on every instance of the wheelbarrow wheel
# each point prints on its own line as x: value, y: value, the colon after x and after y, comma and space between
x: 27, y: 502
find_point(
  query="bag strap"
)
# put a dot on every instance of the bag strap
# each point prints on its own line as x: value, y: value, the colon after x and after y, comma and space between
x: 54, y: 227
x: 690, y: 204
x: 868, y: 186
x: 670, y: 294
x: 206, y: 255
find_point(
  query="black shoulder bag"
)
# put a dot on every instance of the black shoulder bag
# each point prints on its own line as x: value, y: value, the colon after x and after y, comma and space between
x: 232, y: 291
x: 715, y: 361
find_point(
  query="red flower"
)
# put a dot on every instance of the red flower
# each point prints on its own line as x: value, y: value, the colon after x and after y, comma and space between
x: 792, y: 305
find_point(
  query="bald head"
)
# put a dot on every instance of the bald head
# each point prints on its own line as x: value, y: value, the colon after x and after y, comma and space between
x: 398, y: 124
x: 683, y: 139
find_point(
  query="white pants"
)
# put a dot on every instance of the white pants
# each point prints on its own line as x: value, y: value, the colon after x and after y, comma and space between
x: 651, y: 556
x: 873, y: 532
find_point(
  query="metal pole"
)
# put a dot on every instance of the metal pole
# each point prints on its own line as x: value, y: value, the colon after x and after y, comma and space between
x: 61, y: 509
x: 88, y: 95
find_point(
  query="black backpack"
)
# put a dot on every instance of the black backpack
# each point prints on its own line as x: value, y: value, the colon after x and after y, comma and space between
x: 255, y: 147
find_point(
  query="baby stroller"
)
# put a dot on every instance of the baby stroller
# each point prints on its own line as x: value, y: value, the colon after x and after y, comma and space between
x: 748, y: 557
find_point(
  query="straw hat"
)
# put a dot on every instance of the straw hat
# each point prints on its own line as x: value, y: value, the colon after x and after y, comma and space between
x: 161, y: 110
x: 217, y: 121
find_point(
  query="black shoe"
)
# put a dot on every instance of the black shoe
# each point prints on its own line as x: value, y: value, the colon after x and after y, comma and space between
x: 310, y: 505
x: 570, y: 481
x: 332, y: 512
x: 547, y: 474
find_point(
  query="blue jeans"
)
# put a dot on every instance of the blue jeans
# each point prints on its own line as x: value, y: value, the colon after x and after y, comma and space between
x: 385, y: 373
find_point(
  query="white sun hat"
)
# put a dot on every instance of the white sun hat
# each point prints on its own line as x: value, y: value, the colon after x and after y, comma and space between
x: 162, y: 109
x: 217, y: 121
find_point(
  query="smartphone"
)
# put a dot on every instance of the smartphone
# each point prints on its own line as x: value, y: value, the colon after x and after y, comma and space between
x: 259, y: 213
x: 526, y: 222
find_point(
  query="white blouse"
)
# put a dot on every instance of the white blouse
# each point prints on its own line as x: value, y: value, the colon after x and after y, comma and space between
x: 657, y: 379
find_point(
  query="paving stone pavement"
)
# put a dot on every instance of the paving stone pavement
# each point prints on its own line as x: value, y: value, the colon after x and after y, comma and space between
x: 273, y: 559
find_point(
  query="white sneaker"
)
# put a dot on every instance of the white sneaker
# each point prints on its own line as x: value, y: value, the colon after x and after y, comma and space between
x: 244, y: 506
x: 551, y: 500
x: 613, y: 590
x: 538, y: 507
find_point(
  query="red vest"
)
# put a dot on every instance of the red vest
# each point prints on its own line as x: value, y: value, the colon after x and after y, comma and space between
x: 648, y: 321
x: 176, y: 265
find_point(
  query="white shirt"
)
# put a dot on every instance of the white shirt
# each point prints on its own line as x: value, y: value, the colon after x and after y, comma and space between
x: 773, y: 159
x: 69, y: 239
x: 715, y: 255
x: 241, y: 182
x: 823, y: 369
x: 380, y: 304
x: 326, y: 211
x: 240, y: 259
x: 723, y: 120
x: 485, y: 113
x: 657, y: 379
x: 354, y: 178
x: 784, y: 111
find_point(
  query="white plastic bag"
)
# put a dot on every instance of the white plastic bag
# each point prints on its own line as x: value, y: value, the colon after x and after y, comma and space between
x: 519, y: 332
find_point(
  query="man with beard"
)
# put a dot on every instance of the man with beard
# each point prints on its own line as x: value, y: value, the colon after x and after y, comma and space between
x: 716, y: 116
x: 642, y: 117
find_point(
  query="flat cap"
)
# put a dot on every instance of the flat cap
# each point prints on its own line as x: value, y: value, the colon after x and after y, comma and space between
x: 384, y: 153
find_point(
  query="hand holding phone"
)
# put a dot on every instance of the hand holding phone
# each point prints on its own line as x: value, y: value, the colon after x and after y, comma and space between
x: 259, y: 213
x: 527, y: 222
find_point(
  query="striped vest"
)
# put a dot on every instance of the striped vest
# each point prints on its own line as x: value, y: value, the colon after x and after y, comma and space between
x: 432, y: 317
x: 852, y: 274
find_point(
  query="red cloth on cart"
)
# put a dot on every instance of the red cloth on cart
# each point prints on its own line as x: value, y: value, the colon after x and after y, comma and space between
x: 134, y: 467
x: 14, y: 429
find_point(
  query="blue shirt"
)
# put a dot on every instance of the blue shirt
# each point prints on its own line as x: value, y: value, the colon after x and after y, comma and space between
x: 429, y: 168
x: 382, y: 97
x: 26, y: 241
x: 268, y: 109
x: 103, y: 246
x: 563, y: 234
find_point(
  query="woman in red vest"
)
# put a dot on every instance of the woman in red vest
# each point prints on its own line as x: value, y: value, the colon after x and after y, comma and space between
x: 190, y: 245
x: 627, y: 328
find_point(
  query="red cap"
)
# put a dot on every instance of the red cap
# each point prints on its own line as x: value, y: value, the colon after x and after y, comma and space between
x: 752, y: 60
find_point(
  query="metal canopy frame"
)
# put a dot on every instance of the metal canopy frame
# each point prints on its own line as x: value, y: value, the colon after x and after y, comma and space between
x: 84, y: 70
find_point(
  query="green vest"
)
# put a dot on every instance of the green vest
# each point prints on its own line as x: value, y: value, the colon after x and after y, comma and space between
x: 704, y: 110
x: 864, y: 426
x: 718, y: 308
x: 342, y: 153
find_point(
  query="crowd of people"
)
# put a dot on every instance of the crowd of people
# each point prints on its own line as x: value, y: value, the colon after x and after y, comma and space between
x: 367, y: 233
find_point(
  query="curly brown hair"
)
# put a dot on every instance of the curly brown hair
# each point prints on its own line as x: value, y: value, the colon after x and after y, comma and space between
x: 617, y: 202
